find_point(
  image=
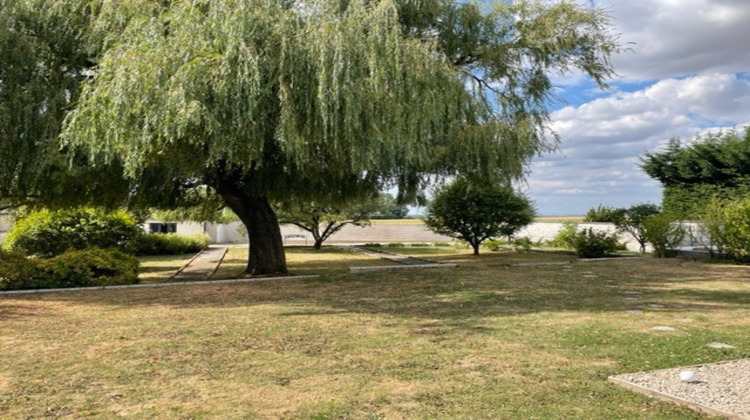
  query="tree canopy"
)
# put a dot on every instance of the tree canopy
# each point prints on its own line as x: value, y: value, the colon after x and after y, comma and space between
x: 476, y: 213
x: 258, y: 100
x: 716, y: 165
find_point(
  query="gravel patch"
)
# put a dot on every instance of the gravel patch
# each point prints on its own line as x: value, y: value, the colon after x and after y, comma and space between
x: 720, y: 389
x: 721, y: 346
x: 664, y: 328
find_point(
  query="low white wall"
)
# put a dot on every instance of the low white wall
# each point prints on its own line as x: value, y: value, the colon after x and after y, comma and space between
x: 4, y: 224
x: 407, y: 233
x: 183, y: 228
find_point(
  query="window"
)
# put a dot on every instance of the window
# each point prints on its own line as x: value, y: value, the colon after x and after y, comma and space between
x: 162, y: 227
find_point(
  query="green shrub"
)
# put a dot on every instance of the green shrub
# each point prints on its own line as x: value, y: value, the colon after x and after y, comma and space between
x: 373, y: 245
x: 591, y: 244
x: 565, y: 237
x: 495, y: 244
x: 395, y: 245
x: 736, y: 230
x: 90, y: 267
x: 419, y: 244
x: 523, y: 244
x: 461, y: 244
x: 603, y: 214
x: 172, y: 244
x: 16, y: 270
x: 662, y: 234
x: 48, y: 233
x: 441, y: 244
x: 75, y: 268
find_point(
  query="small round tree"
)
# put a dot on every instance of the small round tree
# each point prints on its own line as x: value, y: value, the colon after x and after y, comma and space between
x: 477, y: 213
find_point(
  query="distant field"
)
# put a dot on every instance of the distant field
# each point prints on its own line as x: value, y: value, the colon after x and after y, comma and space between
x: 397, y: 222
x: 543, y: 219
x: 559, y: 219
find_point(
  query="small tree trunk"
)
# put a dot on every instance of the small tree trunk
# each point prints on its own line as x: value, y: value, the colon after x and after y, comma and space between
x: 476, y: 248
x: 318, y: 243
x: 266, y: 248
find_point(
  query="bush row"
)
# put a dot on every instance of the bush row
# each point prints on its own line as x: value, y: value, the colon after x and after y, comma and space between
x: 49, y: 233
x: 75, y: 268
x: 171, y: 244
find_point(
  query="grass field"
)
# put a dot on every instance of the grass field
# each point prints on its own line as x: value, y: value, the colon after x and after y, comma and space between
x: 484, y: 340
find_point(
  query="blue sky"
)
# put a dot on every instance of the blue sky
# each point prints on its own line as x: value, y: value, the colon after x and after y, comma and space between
x: 688, y: 73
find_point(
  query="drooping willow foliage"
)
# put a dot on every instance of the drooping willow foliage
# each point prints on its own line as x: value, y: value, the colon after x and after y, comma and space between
x: 310, y: 90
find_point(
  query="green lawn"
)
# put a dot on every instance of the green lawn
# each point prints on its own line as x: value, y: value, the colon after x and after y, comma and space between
x: 484, y: 340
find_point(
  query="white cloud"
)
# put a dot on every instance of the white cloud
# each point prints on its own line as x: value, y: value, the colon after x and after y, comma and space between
x: 602, y: 139
x: 672, y: 38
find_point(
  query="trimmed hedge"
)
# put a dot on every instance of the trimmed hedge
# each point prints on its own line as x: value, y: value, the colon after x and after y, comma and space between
x: 171, y: 244
x: 18, y: 272
x: 76, y: 268
x: 48, y: 233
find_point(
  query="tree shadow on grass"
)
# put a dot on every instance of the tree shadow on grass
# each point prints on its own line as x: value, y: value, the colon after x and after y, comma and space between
x: 462, y: 296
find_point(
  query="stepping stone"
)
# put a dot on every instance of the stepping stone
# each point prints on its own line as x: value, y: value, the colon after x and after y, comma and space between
x: 663, y: 328
x: 685, y: 320
x: 631, y: 299
x: 611, y: 285
x: 720, y: 346
x: 655, y: 305
x: 635, y: 311
x: 589, y: 276
x: 631, y: 292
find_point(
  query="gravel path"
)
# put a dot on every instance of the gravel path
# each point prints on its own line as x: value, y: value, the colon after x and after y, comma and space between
x: 721, y: 388
x: 202, y: 266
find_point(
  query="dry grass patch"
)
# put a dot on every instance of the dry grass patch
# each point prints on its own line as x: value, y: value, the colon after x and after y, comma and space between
x: 300, y: 261
x: 486, y: 340
x: 160, y: 268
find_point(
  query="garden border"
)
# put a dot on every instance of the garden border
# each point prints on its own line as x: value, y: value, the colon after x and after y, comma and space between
x: 147, y: 285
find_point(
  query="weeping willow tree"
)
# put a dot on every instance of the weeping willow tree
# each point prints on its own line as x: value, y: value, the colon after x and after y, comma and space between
x: 40, y: 59
x: 266, y: 100
x: 48, y: 49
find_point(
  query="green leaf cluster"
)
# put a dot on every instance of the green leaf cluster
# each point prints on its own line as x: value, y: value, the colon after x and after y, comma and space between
x: 661, y: 231
x: 728, y: 224
x: 715, y: 165
x: 171, y: 244
x: 74, y: 268
x: 589, y: 243
x: 603, y: 214
x: 47, y: 233
x: 474, y: 213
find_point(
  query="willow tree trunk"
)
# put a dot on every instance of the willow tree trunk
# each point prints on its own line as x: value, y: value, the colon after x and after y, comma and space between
x: 265, y: 246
